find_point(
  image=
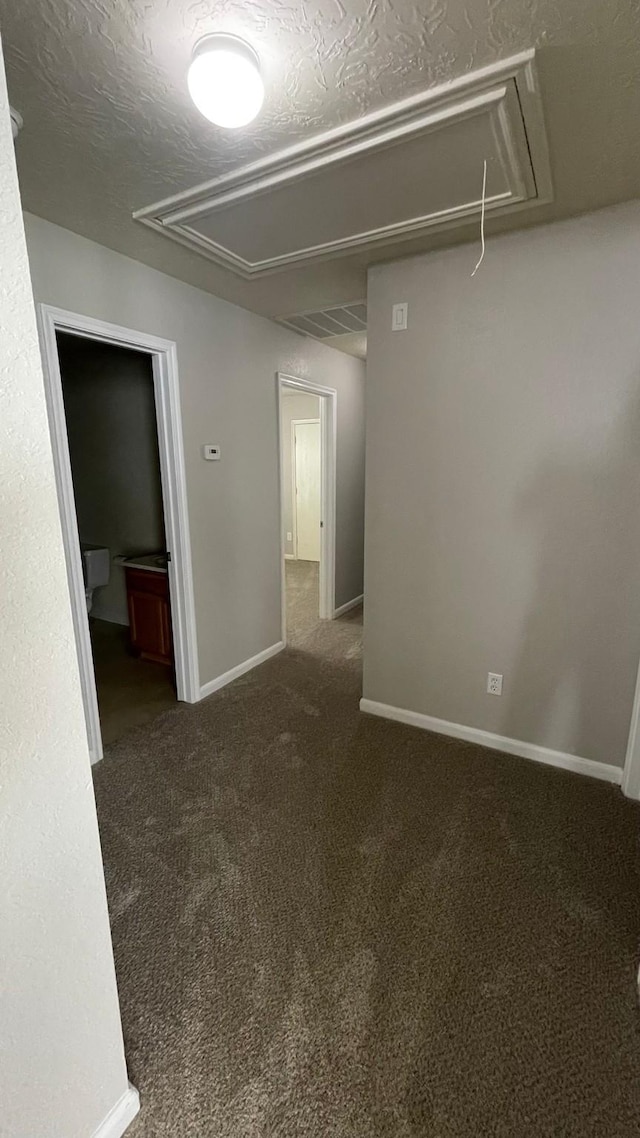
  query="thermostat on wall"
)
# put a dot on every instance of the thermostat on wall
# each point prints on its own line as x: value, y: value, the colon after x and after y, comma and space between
x: 211, y: 452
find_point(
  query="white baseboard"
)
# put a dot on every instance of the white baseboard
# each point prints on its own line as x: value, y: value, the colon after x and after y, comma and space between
x: 495, y: 742
x: 290, y: 557
x: 240, y: 669
x: 120, y: 1116
x: 349, y: 605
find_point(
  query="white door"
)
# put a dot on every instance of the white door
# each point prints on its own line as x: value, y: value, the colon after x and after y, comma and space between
x: 307, y: 490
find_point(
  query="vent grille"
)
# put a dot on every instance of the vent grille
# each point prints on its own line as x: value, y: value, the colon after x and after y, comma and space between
x: 329, y: 322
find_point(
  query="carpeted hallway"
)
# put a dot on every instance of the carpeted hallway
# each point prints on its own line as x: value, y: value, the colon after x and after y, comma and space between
x: 330, y: 926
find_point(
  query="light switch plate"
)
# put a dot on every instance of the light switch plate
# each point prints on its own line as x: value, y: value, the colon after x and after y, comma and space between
x: 399, y: 317
x: 211, y: 451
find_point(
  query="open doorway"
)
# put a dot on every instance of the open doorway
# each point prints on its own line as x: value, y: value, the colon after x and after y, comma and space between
x: 109, y: 407
x: 306, y: 420
x: 117, y: 442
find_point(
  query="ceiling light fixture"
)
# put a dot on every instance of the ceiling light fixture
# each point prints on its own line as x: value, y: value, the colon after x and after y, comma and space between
x: 224, y: 80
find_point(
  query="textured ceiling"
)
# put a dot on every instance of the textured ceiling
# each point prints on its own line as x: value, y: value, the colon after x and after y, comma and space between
x: 109, y: 127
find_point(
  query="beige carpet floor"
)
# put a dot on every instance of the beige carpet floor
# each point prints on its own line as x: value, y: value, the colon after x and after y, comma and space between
x: 330, y: 926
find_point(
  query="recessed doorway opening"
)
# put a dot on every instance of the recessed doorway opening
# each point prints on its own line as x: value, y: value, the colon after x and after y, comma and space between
x: 110, y: 414
x: 114, y: 417
x: 306, y: 424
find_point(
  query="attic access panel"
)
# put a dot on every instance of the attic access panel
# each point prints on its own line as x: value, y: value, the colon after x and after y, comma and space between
x: 389, y: 176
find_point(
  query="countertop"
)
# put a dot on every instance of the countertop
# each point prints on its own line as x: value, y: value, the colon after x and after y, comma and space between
x: 151, y: 562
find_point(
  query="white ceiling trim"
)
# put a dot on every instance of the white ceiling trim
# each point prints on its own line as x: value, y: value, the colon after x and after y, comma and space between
x: 506, y: 92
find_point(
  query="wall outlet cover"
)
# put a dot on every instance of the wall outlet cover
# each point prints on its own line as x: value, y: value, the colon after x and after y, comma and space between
x: 211, y: 451
x: 494, y: 683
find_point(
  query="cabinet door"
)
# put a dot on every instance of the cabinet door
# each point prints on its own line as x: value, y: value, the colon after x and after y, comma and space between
x: 150, y: 628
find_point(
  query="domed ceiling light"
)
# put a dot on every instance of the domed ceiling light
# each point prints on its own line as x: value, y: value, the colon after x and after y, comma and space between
x: 224, y: 80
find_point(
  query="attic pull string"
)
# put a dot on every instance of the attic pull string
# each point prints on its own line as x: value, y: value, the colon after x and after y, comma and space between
x: 484, y: 198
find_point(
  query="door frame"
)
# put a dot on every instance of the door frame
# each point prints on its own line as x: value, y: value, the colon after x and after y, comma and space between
x: 164, y: 360
x: 631, y: 770
x: 328, y: 397
x: 294, y: 510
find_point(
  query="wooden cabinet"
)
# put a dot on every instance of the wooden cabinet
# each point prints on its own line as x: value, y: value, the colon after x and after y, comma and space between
x: 149, y: 614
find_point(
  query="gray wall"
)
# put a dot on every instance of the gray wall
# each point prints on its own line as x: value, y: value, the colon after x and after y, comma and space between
x: 113, y: 442
x: 503, y: 485
x: 295, y: 405
x: 62, y: 1068
x: 228, y: 359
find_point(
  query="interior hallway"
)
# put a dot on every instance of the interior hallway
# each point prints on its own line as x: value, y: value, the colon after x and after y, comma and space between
x: 302, y: 585
x: 331, y: 926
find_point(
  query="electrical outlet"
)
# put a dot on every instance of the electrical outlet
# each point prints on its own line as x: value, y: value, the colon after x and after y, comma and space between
x: 289, y: 537
x: 494, y: 683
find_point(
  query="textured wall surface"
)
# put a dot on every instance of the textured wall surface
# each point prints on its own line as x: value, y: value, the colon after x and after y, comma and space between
x: 113, y: 442
x: 109, y: 126
x: 503, y: 481
x: 62, y: 1065
x: 227, y: 359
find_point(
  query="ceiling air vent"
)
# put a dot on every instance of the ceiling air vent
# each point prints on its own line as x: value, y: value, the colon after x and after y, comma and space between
x: 330, y: 322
